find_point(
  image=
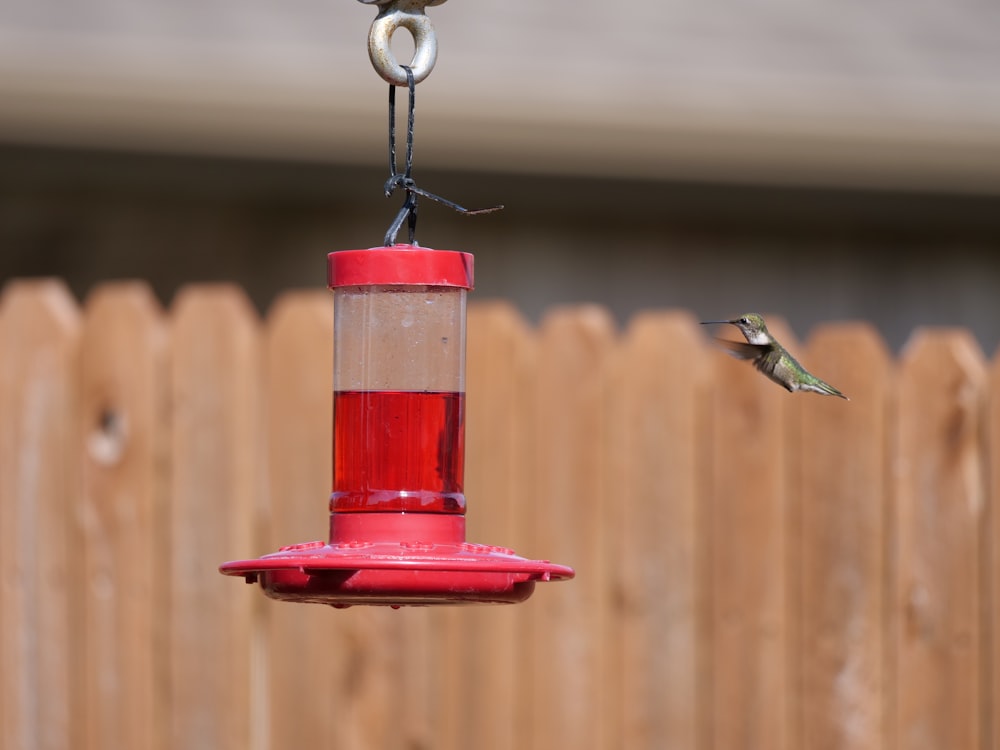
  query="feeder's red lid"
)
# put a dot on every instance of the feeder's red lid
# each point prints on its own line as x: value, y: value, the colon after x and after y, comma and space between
x: 399, y: 264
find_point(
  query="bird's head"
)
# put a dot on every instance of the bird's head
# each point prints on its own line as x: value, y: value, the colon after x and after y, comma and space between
x: 751, y: 325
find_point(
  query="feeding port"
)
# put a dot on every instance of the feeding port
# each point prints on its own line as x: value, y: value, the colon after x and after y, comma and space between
x: 397, y: 509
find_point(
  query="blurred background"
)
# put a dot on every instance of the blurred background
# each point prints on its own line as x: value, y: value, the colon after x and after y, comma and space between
x: 822, y: 161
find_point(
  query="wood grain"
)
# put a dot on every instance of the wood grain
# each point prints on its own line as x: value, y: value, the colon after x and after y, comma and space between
x: 124, y: 381
x: 572, y: 696
x: 938, y: 525
x: 747, y: 527
x: 659, y: 385
x: 39, y: 496
x: 841, y: 488
x: 215, y: 499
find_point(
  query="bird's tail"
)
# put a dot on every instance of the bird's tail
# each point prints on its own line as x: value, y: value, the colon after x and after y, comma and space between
x: 819, y: 386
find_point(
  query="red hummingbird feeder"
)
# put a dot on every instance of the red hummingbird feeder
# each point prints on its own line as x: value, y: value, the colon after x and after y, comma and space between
x: 397, y: 510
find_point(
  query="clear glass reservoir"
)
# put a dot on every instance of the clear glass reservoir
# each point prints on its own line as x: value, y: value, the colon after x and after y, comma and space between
x: 399, y: 383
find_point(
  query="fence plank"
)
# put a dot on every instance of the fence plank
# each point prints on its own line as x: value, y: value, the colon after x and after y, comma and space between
x: 341, y: 662
x: 215, y: 484
x: 573, y: 527
x: 748, y: 604
x: 940, y: 506
x: 841, y: 490
x: 485, y: 639
x: 298, y: 370
x: 123, y: 412
x: 39, y: 487
x: 991, y: 557
x: 662, y: 372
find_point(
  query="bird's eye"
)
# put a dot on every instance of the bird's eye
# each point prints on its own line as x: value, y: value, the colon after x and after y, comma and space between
x: 745, y: 320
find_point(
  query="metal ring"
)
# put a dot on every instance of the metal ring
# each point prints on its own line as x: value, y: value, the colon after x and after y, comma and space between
x: 424, y: 42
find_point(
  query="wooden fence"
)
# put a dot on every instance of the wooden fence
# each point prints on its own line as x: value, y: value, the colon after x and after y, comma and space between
x: 755, y: 569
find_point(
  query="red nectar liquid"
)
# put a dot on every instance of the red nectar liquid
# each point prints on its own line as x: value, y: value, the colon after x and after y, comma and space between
x: 398, y: 451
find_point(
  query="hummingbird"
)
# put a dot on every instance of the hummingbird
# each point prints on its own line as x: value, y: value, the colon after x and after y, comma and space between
x: 770, y: 357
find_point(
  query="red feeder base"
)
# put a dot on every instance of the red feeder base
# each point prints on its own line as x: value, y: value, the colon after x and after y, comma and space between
x: 396, y: 559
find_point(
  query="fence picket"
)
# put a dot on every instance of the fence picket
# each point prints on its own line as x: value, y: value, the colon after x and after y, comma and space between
x: 298, y: 354
x: 660, y: 384
x: 486, y: 639
x: 841, y: 490
x: 39, y: 492
x: 123, y: 383
x: 991, y: 558
x: 573, y: 526
x: 216, y: 478
x: 746, y: 568
x: 353, y: 682
x: 938, y: 526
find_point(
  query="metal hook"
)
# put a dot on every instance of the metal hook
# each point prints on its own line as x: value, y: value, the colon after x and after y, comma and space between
x: 410, y: 15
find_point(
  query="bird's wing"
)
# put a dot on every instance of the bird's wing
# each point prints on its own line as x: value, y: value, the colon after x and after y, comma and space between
x: 743, y: 350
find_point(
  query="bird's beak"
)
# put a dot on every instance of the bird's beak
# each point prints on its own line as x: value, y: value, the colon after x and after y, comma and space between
x: 717, y: 322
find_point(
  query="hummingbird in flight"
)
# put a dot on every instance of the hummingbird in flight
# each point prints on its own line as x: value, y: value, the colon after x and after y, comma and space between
x: 770, y: 357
